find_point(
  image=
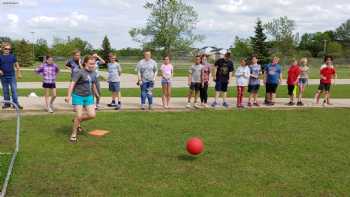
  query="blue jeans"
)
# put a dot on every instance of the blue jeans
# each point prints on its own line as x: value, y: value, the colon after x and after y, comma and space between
x: 7, y: 83
x: 146, y: 92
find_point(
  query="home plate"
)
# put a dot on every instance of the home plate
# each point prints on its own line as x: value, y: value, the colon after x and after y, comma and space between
x: 98, y: 133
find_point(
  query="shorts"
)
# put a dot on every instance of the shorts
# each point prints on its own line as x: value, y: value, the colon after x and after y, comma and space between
x: 114, y: 86
x: 324, y: 87
x: 253, y: 88
x: 271, y: 88
x: 49, y: 85
x: 302, y: 82
x: 221, y: 86
x: 195, y: 86
x: 82, y: 100
x: 291, y: 90
x: 166, y: 81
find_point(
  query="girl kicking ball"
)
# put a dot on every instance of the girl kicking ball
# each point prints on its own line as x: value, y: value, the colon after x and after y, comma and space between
x: 82, y: 90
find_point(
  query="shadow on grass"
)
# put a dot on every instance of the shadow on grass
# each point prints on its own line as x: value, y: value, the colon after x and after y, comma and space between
x: 184, y: 157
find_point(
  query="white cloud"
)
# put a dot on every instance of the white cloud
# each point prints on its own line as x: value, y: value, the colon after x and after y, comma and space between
x: 13, y: 19
x: 73, y: 20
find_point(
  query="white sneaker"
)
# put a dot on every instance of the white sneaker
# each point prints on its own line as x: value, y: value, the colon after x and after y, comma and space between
x: 188, y: 105
x: 196, y: 105
x: 49, y: 109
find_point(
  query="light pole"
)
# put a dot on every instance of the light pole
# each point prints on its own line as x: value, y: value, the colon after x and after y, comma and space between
x: 32, y: 32
x: 325, y: 47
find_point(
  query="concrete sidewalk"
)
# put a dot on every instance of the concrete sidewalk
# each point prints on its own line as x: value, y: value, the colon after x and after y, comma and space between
x: 132, y: 103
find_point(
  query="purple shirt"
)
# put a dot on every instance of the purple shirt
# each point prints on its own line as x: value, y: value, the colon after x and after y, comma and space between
x: 48, y: 72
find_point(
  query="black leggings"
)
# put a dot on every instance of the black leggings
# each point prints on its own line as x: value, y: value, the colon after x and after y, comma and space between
x: 204, y: 93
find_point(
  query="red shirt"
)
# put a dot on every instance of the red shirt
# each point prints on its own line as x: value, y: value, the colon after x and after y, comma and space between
x: 293, y: 74
x: 327, y: 72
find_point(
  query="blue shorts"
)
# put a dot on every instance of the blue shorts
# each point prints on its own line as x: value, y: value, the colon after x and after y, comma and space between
x: 302, y: 82
x: 82, y: 100
x: 166, y: 81
x: 221, y: 86
x: 114, y: 86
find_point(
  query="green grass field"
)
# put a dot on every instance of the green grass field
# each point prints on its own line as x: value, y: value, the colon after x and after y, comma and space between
x: 247, y: 153
x: 338, y: 91
x: 31, y: 76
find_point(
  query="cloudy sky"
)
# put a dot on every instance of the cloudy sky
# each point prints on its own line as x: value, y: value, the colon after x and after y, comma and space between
x: 219, y: 20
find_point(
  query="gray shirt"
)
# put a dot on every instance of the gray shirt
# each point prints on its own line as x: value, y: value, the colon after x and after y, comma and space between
x: 196, y: 73
x: 147, y: 69
x: 84, y: 80
x: 304, y: 72
x: 114, y: 72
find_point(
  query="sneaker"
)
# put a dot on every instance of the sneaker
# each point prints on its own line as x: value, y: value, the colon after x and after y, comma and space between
x: 19, y: 107
x: 111, y: 105
x: 97, y: 107
x: 250, y: 105
x: 197, y: 106
x: 6, y: 106
x: 290, y: 103
x: 214, y: 104
x: 143, y: 107
x: 256, y: 104
x: 117, y: 107
x: 240, y: 106
x: 188, y: 105
x: 225, y: 105
x: 205, y: 105
x: 300, y: 103
x: 49, y: 109
x: 150, y: 107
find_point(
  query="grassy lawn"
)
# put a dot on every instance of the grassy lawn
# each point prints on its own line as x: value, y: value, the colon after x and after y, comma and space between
x: 338, y: 91
x: 247, y: 153
x: 181, y: 68
x: 31, y: 76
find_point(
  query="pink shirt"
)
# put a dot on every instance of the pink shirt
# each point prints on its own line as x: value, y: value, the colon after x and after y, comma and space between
x: 206, y: 72
x: 167, y: 70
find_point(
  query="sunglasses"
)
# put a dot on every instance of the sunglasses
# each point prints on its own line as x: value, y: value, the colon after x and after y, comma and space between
x: 7, y: 49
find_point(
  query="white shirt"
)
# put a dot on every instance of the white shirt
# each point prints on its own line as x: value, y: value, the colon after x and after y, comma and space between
x: 242, y: 75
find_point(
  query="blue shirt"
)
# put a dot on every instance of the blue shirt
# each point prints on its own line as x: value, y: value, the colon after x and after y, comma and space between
x: 273, y: 72
x: 7, y: 65
x: 255, y: 70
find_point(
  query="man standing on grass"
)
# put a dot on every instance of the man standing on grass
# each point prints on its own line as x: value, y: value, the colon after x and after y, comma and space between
x: 146, y: 72
x: 8, y: 62
x: 223, y: 69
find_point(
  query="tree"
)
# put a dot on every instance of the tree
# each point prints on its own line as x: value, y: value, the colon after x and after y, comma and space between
x: 24, y: 53
x: 343, y: 32
x: 259, y: 43
x: 315, y: 42
x: 41, y: 49
x: 241, y: 49
x: 169, y: 27
x: 335, y: 49
x: 106, y: 48
x: 64, y: 48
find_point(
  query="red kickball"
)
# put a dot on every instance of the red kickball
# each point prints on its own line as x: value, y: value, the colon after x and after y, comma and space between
x: 194, y: 146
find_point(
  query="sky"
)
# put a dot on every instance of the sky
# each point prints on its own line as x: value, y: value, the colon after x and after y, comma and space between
x: 219, y: 20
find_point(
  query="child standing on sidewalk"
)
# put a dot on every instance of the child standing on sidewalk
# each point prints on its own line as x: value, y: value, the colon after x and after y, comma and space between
x: 49, y: 70
x: 254, y: 82
x: 327, y: 75
x: 303, y: 79
x: 194, y: 82
x: 242, y: 79
x: 167, y: 74
x: 114, y: 73
x: 205, y: 80
x: 293, y: 78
